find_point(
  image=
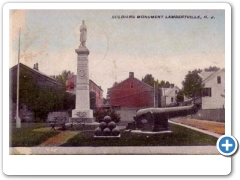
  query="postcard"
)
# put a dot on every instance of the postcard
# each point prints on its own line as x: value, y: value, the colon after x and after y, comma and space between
x: 145, y: 87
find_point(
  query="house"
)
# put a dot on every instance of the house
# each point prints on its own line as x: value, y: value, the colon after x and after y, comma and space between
x: 131, y: 93
x: 168, y: 96
x: 129, y: 96
x: 31, y: 81
x: 93, y: 87
x: 213, y: 95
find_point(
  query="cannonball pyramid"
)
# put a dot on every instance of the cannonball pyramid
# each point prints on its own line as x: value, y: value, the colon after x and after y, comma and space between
x: 107, y: 128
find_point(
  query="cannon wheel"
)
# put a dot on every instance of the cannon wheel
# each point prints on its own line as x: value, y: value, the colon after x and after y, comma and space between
x: 149, y: 122
x: 150, y: 117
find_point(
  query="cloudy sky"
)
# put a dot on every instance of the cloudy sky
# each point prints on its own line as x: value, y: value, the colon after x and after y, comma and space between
x: 166, y: 48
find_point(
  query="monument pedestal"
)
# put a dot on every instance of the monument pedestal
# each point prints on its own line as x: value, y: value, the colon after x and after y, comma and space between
x: 82, y: 111
x: 84, y: 115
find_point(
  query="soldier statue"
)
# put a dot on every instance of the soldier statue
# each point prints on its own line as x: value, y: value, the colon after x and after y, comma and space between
x: 83, y: 34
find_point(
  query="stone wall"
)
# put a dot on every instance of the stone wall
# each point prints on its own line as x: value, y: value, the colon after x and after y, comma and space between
x: 127, y: 114
x: 58, y: 114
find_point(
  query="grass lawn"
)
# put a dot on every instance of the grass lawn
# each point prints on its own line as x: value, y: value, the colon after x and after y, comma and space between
x: 181, y: 136
x: 26, y: 137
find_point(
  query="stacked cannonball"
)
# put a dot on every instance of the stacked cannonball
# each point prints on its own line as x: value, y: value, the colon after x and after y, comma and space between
x: 107, y: 127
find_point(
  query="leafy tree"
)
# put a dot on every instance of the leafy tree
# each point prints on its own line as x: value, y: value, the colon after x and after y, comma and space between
x: 63, y: 77
x: 149, y: 79
x: 197, y: 71
x: 162, y: 83
x: 101, y: 113
x: 40, y: 100
x: 167, y: 85
x: 212, y: 68
x: 47, y: 100
x: 92, y: 100
x: 69, y: 101
x: 180, y: 96
x: 192, y: 85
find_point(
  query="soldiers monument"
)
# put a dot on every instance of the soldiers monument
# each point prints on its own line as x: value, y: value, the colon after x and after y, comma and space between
x: 82, y: 109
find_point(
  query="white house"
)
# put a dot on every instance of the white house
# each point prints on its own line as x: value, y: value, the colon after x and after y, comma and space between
x: 168, y: 95
x: 213, y: 95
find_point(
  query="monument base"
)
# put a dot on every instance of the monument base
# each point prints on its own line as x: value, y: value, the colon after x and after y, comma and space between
x: 83, y: 115
x: 78, y: 120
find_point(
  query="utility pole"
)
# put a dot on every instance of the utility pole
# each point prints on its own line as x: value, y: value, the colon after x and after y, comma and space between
x: 154, y: 95
x: 18, y: 120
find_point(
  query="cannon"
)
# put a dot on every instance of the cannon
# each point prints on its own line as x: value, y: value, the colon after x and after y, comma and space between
x: 156, y: 119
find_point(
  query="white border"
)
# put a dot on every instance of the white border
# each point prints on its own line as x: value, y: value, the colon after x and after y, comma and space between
x: 115, y: 165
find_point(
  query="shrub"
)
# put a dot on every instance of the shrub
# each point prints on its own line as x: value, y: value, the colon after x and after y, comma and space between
x: 99, y: 114
x: 115, y: 116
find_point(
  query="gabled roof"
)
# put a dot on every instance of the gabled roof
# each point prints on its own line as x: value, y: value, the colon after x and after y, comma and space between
x: 74, y: 79
x: 171, y: 89
x: 36, y: 72
x: 128, y: 79
x: 211, y: 75
x: 168, y: 91
x: 95, y: 84
x: 205, y: 74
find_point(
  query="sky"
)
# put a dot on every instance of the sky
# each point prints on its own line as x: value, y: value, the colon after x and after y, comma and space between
x: 167, y: 48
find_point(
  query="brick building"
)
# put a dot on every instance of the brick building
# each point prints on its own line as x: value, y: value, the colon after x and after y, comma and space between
x: 93, y: 87
x: 131, y: 93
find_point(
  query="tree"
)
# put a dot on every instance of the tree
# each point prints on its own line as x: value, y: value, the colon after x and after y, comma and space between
x: 62, y: 78
x: 167, y: 85
x: 192, y: 85
x: 212, y: 68
x: 197, y: 71
x: 162, y: 83
x: 39, y: 99
x: 47, y: 100
x: 92, y: 95
x: 149, y: 79
x: 180, y: 96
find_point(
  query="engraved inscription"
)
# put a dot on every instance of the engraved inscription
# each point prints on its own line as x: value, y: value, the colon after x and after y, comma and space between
x: 82, y: 66
x: 82, y: 58
x: 82, y: 63
x: 82, y: 88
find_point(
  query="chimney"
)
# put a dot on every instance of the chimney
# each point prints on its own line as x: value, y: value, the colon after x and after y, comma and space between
x: 131, y: 74
x: 35, y: 66
x: 171, y: 85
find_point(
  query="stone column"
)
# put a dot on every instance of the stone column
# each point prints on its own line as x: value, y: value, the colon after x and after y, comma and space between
x: 82, y: 108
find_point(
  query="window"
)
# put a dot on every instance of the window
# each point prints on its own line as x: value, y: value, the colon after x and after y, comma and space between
x: 219, y: 79
x: 176, y: 92
x: 131, y: 85
x: 207, y: 92
x: 171, y: 99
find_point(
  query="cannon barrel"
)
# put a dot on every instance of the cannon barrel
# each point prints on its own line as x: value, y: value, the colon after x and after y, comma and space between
x: 171, y: 111
x: 156, y: 119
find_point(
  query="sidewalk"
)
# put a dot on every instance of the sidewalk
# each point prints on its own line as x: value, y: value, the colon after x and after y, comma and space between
x: 130, y: 150
x: 212, y: 128
x: 59, y: 139
x: 196, y: 129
